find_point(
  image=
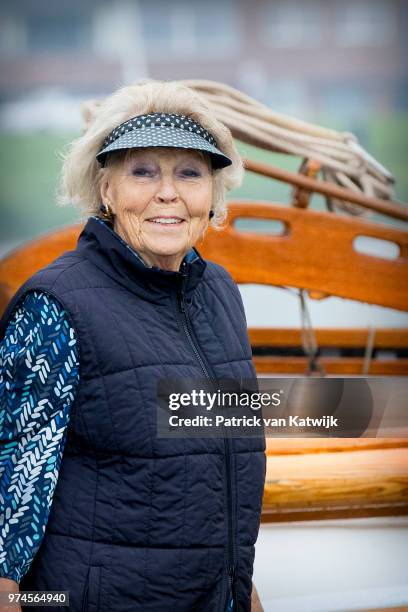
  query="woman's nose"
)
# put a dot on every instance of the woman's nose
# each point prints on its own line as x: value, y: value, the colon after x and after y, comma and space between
x: 167, y: 191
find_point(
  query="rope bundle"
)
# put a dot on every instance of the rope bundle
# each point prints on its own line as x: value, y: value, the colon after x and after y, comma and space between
x: 343, y: 161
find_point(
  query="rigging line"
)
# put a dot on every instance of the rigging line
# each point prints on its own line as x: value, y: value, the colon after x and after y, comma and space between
x: 368, y: 354
x: 308, y: 336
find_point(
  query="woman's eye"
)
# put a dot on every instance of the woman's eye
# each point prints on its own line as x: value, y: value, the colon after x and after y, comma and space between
x: 142, y: 172
x: 190, y: 172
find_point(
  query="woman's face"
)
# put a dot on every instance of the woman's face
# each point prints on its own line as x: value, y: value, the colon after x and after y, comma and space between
x: 161, y: 198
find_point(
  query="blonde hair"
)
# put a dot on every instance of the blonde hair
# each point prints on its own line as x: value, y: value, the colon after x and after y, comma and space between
x: 81, y: 172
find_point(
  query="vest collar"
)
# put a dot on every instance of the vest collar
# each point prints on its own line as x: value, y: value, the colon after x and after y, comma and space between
x: 109, y: 252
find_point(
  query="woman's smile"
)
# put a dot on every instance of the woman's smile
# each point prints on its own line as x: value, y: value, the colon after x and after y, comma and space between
x: 166, y: 221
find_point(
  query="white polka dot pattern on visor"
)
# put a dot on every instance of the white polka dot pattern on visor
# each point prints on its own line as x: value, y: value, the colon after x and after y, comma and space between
x: 163, y: 130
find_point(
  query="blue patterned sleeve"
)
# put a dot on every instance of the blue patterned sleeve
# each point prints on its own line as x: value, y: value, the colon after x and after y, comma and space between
x: 39, y: 374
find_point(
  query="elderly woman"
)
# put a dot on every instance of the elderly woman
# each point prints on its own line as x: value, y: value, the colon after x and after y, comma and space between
x: 95, y: 503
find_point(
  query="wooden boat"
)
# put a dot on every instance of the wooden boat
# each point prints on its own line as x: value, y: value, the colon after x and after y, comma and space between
x: 306, y: 478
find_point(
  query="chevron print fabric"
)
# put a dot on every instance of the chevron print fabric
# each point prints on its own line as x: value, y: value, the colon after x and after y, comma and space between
x: 39, y: 375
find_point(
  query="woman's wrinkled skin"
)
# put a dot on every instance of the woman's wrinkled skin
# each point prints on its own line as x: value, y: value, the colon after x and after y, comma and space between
x: 159, y: 182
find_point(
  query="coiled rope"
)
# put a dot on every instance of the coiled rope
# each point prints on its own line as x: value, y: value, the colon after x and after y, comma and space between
x: 342, y: 159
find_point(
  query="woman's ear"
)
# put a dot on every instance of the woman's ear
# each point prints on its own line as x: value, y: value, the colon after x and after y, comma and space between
x: 105, y: 189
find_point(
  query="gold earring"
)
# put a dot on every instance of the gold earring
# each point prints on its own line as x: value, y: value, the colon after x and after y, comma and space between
x: 106, y: 212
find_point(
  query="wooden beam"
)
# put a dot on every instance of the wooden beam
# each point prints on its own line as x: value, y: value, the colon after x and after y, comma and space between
x: 332, y: 365
x: 370, y: 482
x: 385, y: 207
x: 303, y: 255
x: 301, y: 446
x: 325, y: 514
x: 392, y: 338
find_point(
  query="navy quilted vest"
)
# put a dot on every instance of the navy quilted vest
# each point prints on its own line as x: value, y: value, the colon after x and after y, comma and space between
x: 140, y: 522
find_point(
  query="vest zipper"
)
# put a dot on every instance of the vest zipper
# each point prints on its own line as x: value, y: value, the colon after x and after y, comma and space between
x: 227, y: 442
